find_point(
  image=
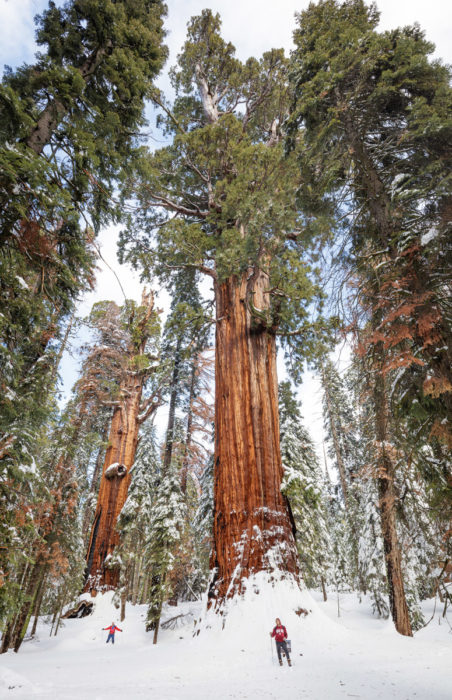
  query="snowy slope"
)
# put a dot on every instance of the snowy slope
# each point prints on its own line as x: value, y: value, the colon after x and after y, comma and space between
x: 353, y: 656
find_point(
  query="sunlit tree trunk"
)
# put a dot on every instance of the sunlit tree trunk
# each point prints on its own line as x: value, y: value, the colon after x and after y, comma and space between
x: 114, y: 486
x: 253, y: 531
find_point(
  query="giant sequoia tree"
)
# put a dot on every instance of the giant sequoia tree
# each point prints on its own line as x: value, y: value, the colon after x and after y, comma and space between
x: 221, y: 199
x: 68, y: 129
x: 134, y: 354
x: 375, y: 116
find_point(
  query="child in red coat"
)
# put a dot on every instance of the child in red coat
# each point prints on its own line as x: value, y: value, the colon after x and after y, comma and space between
x: 111, y: 632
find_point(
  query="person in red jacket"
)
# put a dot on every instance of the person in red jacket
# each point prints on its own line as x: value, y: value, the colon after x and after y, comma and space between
x: 280, y: 634
x: 111, y: 632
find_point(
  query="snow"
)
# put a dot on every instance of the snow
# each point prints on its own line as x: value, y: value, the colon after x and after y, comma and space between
x: 22, y: 282
x: 429, y: 236
x: 112, y: 468
x: 354, y: 655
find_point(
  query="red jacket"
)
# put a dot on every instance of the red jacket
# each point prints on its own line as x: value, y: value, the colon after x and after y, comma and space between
x: 280, y: 633
x: 112, y: 629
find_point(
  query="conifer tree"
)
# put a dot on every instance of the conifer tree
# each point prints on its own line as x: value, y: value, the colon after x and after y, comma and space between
x: 136, y: 361
x: 221, y: 199
x: 373, y: 110
x: 68, y: 126
x: 303, y: 486
x: 166, y: 525
x: 339, y: 425
x: 134, y: 521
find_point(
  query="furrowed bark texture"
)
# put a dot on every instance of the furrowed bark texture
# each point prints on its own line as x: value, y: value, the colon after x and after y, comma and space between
x: 114, y: 486
x: 387, y: 504
x: 252, y: 525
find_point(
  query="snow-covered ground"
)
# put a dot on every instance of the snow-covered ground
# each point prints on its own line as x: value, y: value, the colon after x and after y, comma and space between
x: 351, y: 656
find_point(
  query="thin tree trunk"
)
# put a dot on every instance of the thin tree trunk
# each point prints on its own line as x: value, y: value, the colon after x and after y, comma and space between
x: 55, y: 615
x: 60, y: 611
x: 145, y: 591
x: 253, y: 530
x: 37, y: 605
x: 136, y: 581
x: 6, y: 637
x: 337, y: 449
x: 188, y: 436
x: 23, y: 618
x: 387, y: 505
x: 172, y: 410
x: 123, y: 604
x: 325, y: 597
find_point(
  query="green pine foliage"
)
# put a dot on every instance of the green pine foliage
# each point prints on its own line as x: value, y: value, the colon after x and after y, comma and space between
x: 134, y: 522
x: 303, y: 486
x: 167, y: 523
x: 373, y: 114
x: 220, y: 198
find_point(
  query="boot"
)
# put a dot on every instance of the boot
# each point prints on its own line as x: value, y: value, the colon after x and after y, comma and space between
x: 289, y: 662
x: 280, y: 662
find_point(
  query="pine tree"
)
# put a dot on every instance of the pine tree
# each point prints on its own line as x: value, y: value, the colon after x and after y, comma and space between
x: 167, y: 522
x: 339, y: 426
x: 303, y: 486
x: 68, y: 126
x: 374, y: 115
x: 184, y: 338
x: 134, y: 521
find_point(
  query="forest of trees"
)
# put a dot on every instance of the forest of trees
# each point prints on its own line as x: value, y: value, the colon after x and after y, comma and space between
x: 297, y: 202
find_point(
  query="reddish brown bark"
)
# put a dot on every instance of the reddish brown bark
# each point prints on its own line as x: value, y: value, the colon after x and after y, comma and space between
x: 120, y: 455
x: 252, y: 525
x: 114, y: 486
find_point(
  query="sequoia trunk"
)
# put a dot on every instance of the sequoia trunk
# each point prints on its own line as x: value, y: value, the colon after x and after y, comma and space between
x: 253, y: 529
x: 114, y: 486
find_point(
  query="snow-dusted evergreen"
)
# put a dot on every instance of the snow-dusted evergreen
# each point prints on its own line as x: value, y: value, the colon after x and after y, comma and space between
x: 303, y: 486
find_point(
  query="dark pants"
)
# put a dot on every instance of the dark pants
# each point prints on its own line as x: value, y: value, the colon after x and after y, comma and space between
x: 282, y: 645
x: 112, y: 637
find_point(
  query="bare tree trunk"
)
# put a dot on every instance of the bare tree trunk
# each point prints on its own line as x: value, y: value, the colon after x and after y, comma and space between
x: 123, y: 603
x: 114, y: 485
x: 253, y: 530
x: 172, y: 410
x: 37, y: 606
x: 145, y: 591
x: 23, y: 617
x: 188, y: 436
x: 136, y: 580
x: 387, y: 505
x: 337, y: 449
x: 6, y: 637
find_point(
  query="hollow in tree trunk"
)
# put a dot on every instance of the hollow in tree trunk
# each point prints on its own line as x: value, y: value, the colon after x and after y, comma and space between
x: 253, y: 529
